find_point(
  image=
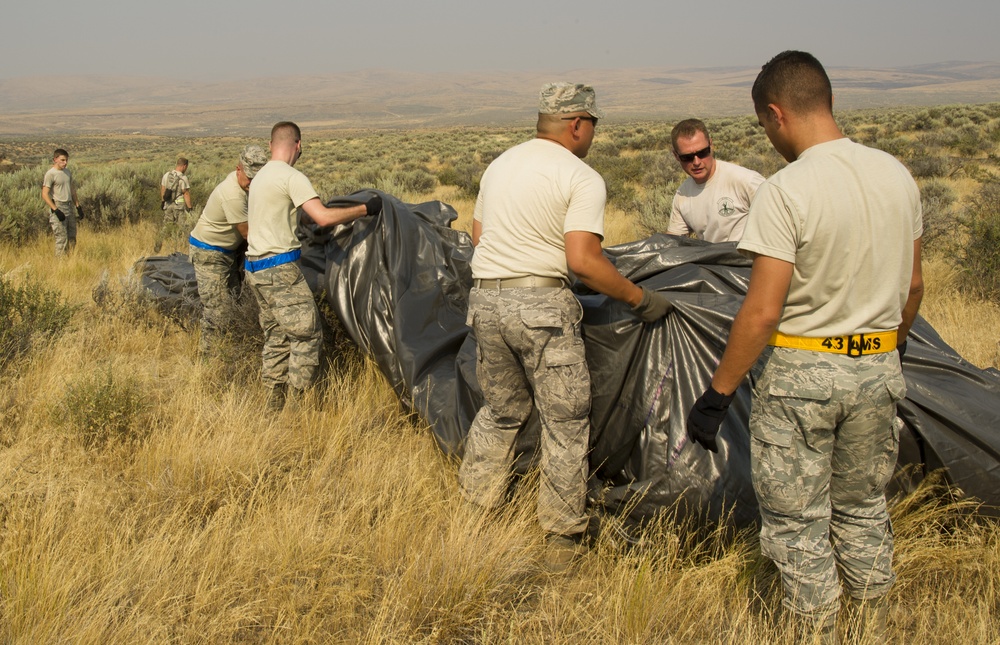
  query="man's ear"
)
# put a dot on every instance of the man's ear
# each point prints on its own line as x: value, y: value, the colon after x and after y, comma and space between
x: 775, y: 113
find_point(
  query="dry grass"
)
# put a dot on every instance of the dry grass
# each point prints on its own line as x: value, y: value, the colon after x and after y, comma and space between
x: 968, y: 325
x: 206, y: 520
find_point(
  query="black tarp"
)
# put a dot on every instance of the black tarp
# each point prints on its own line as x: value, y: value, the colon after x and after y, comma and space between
x: 399, y: 283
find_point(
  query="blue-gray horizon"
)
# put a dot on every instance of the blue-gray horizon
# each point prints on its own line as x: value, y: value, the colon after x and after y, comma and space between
x: 226, y: 40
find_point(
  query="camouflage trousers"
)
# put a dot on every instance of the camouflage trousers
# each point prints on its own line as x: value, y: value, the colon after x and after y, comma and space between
x: 293, y: 337
x: 170, y: 225
x: 824, y: 439
x: 64, y: 231
x: 528, y: 341
x: 212, y: 270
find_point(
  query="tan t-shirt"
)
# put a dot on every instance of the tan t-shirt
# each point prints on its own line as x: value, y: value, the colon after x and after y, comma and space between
x: 529, y: 198
x: 226, y: 207
x: 846, y: 216
x: 276, y: 193
x: 60, y: 184
x: 715, y: 211
x: 178, y: 182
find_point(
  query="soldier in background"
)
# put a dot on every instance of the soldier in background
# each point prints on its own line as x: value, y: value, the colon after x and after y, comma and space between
x: 59, y: 194
x: 175, y: 200
x: 539, y: 215
x: 835, y: 286
x: 217, y: 236
x: 289, y: 317
x: 714, y: 200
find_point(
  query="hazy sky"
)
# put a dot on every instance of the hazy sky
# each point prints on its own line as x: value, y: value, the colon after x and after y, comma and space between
x: 224, y: 39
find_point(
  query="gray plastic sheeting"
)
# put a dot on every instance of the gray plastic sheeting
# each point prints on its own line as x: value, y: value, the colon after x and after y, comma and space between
x: 399, y: 283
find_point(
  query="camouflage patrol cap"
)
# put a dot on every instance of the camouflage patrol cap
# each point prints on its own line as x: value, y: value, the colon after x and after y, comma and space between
x: 563, y: 98
x: 253, y: 159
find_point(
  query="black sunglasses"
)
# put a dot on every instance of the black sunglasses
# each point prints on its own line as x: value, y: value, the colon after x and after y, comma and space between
x: 701, y: 154
x: 592, y: 119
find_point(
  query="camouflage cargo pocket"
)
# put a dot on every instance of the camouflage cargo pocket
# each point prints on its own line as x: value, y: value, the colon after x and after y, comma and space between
x: 774, y: 464
x: 541, y: 318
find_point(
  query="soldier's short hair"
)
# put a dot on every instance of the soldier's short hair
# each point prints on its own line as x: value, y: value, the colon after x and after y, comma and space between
x: 285, y: 131
x: 60, y: 152
x: 794, y: 80
x: 182, y: 161
x: 687, y: 129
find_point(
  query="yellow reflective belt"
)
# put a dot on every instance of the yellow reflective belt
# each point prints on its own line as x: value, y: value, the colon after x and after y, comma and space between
x: 878, y: 342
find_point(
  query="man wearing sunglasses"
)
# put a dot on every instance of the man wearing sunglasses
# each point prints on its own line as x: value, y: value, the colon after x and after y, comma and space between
x: 714, y: 201
x: 539, y: 215
x: 215, y: 239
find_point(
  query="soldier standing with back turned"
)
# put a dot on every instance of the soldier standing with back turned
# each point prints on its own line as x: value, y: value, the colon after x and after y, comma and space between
x: 293, y: 335
x: 835, y: 286
x: 175, y: 200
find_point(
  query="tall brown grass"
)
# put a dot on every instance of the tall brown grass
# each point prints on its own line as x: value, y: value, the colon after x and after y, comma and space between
x: 203, y: 519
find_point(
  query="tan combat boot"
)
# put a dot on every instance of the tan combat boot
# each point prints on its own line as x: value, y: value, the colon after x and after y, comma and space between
x: 867, y: 620
x: 561, y: 551
x: 276, y: 398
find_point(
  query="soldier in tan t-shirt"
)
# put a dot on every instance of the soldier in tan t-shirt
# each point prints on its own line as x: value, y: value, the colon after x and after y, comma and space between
x: 59, y: 194
x: 714, y: 200
x: 538, y: 216
x: 834, y: 289
x: 175, y: 202
x: 214, y: 242
x: 288, y: 315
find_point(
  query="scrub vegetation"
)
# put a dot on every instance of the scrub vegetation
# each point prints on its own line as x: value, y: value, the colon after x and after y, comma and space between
x: 145, y: 496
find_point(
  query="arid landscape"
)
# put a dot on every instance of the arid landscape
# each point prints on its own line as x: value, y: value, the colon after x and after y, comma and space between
x: 145, y: 497
x: 387, y: 99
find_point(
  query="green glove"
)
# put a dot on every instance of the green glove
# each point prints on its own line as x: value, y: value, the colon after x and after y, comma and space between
x: 652, y: 307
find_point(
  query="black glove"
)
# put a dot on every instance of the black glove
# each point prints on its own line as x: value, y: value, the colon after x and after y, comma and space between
x: 79, y: 213
x: 163, y: 205
x: 706, y: 416
x: 652, y: 307
x: 61, y: 216
x: 373, y: 205
x: 901, y: 348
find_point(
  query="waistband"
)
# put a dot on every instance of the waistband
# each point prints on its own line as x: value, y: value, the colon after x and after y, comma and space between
x: 253, y: 266
x: 193, y: 241
x: 530, y: 282
x: 878, y: 342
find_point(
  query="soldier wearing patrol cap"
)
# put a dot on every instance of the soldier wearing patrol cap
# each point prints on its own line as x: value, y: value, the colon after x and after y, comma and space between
x: 539, y: 215
x: 835, y: 286
x: 215, y: 240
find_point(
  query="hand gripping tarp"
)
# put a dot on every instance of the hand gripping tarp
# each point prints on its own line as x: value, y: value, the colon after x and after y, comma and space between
x: 399, y: 283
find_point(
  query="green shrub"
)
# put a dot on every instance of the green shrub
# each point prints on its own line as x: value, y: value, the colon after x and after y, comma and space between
x: 114, y: 195
x: 104, y: 408
x: 937, y: 200
x: 29, y: 314
x: 980, y: 258
x: 929, y: 166
x: 23, y: 214
x: 463, y: 174
x: 653, y: 209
